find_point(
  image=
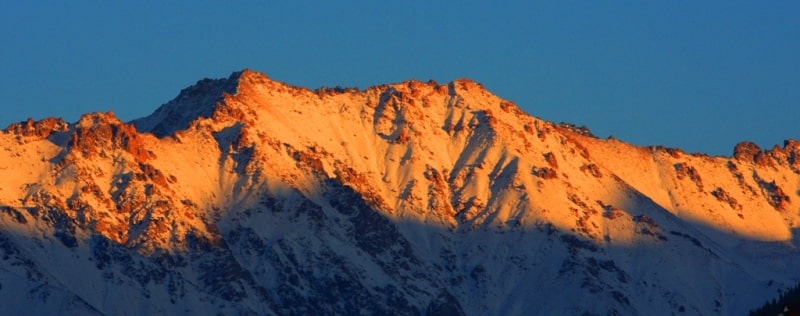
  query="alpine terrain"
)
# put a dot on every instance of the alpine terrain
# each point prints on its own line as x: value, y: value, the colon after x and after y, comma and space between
x: 246, y: 195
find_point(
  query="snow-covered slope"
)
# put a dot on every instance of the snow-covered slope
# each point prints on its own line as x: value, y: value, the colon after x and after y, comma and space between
x: 246, y: 195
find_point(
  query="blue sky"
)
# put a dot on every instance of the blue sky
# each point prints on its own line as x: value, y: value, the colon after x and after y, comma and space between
x: 699, y: 75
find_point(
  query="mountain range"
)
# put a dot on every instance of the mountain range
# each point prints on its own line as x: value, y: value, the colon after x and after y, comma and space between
x: 246, y: 195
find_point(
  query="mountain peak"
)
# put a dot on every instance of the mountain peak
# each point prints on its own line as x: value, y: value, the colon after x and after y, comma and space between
x: 410, y: 198
x: 198, y: 100
x: 249, y: 75
x: 210, y: 97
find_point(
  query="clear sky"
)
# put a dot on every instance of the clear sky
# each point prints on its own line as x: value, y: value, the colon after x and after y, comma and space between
x: 699, y: 75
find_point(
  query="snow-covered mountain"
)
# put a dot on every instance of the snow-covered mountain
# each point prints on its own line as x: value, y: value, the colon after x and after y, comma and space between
x: 250, y: 196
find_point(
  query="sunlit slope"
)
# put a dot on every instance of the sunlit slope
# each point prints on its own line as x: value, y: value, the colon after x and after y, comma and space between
x: 752, y: 194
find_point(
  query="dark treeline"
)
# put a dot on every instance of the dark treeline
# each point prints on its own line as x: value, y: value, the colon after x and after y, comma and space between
x: 788, y: 303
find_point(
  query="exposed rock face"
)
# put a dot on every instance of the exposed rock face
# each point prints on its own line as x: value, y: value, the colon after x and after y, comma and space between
x: 249, y: 196
x: 38, y: 129
x: 746, y: 151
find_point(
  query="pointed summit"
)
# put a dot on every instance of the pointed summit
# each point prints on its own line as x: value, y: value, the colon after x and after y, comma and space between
x: 249, y: 76
x: 196, y: 101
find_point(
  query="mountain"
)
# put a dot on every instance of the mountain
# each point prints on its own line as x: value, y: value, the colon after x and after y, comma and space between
x: 246, y: 195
